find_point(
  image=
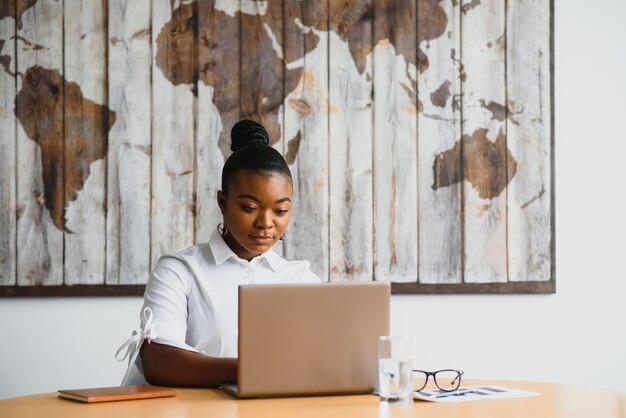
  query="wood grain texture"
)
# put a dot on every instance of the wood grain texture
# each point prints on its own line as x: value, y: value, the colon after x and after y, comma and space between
x: 263, y: 74
x: 528, y: 137
x: 86, y: 126
x: 262, y: 71
x: 219, y: 87
x: 350, y: 140
x: 219, y: 63
x: 292, y: 61
x: 483, y: 46
x: 173, y: 113
x: 129, y: 145
x: 395, y: 141
x: 543, y: 287
x: 40, y: 198
x: 306, y: 123
x: 8, y: 152
x: 555, y: 401
x: 419, y: 134
x: 15, y: 9
x: 473, y: 288
x: 439, y: 128
x: 78, y: 290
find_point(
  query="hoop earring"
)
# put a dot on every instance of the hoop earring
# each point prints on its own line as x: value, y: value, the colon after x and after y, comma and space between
x: 282, y: 239
x: 222, y: 229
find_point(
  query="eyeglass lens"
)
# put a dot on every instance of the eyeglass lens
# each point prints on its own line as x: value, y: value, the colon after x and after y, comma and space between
x: 446, y: 380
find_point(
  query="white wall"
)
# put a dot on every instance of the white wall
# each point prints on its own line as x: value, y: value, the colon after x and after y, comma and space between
x: 576, y: 336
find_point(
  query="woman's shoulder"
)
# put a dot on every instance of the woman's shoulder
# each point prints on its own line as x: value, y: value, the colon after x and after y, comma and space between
x: 297, y: 270
x: 186, y: 262
x: 190, y: 254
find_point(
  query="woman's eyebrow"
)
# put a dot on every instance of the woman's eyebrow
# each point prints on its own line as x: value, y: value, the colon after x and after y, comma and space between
x: 256, y: 199
x: 249, y: 196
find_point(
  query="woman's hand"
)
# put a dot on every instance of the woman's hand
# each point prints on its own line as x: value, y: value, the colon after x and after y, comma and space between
x: 164, y: 365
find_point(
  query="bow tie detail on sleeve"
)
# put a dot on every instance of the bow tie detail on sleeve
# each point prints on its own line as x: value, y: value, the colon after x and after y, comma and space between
x: 138, y: 336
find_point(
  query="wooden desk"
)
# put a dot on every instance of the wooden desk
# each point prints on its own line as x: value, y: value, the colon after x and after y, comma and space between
x: 557, y: 401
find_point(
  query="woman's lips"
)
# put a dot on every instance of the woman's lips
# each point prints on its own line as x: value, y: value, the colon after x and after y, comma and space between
x: 261, y: 239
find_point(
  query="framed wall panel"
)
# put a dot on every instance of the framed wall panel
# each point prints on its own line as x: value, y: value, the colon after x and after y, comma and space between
x: 419, y: 134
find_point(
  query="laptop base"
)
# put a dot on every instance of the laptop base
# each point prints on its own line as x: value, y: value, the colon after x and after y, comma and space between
x: 231, y: 389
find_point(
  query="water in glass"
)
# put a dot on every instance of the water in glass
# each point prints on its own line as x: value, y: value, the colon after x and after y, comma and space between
x: 394, y: 377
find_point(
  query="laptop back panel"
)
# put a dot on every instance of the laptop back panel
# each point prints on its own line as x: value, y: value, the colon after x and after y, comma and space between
x: 308, y: 339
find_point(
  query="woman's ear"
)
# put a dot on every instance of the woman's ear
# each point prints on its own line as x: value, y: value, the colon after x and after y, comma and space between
x: 221, y: 201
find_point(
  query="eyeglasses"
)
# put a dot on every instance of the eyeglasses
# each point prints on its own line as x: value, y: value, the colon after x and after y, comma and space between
x: 447, y: 380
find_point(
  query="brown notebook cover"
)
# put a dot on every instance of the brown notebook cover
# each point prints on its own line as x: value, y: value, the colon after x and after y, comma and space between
x: 116, y: 393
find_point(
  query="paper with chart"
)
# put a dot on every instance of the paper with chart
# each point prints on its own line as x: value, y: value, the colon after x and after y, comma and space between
x: 472, y: 393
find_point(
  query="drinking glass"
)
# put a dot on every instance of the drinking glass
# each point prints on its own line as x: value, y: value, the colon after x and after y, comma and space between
x: 395, y: 369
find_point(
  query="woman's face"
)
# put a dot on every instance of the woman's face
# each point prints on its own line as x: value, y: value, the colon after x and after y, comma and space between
x: 256, y: 212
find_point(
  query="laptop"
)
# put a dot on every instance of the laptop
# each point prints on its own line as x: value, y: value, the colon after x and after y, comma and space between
x: 310, y: 339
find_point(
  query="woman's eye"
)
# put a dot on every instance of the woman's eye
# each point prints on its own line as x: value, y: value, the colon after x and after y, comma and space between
x: 247, y: 208
x: 281, y: 212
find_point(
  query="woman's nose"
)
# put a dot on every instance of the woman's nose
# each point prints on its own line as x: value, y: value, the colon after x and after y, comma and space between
x: 264, y: 220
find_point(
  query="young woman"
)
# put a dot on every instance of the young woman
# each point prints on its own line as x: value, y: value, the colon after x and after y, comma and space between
x: 188, y: 334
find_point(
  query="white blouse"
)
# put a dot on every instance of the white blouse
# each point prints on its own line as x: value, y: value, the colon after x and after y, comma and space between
x: 191, y: 299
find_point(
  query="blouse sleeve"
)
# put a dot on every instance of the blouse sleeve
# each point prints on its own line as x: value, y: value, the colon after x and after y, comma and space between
x: 166, y: 295
x: 163, y: 316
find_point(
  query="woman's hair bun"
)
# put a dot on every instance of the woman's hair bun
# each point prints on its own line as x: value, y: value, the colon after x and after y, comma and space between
x: 246, y: 132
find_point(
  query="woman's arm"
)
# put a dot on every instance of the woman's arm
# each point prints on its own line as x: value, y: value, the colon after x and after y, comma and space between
x: 164, y: 365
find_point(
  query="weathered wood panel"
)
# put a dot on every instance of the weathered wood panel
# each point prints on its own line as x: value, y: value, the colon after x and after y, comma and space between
x: 528, y: 137
x: 219, y: 92
x: 262, y: 88
x: 350, y: 140
x: 485, y: 156
x: 40, y: 138
x: 129, y: 145
x: 442, y: 179
x: 439, y: 129
x: 173, y: 112
x: 263, y: 79
x: 395, y: 141
x: 306, y: 124
x: 87, y: 122
x: 8, y: 151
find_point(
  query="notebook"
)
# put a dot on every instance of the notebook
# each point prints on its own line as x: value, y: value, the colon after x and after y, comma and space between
x: 310, y: 339
x: 116, y: 393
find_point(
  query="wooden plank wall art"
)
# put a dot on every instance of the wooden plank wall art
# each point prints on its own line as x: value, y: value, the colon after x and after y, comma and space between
x: 419, y: 134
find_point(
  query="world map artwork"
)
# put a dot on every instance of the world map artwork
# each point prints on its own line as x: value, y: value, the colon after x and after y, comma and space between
x: 192, y: 47
x: 419, y: 135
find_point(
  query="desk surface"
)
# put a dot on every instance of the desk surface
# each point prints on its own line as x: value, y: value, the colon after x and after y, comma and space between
x: 556, y: 401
